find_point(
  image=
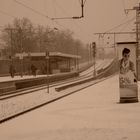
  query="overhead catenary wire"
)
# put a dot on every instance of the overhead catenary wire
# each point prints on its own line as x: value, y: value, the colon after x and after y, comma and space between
x: 109, y: 32
x: 83, y: 2
x: 126, y: 22
x: 7, y: 14
x: 54, y: 6
x: 125, y: 11
x: 37, y: 12
x: 34, y: 10
x: 67, y: 14
x: 136, y: 2
x: 74, y: 17
x: 117, y: 26
x: 125, y: 25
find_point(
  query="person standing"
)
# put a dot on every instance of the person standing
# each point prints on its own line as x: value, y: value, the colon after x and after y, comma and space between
x: 12, y: 70
x: 33, y: 69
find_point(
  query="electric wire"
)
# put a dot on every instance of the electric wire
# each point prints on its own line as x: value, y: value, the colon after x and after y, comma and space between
x: 7, y: 14
x: 125, y: 26
x: 67, y: 14
x: 85, y: 2
x: 41, y: 14
x: 32, y: 9
x: 136, y: 2
x: 101, y: 36
x: 37, y: 12
x: 125, y: 11
x: 117, y: 26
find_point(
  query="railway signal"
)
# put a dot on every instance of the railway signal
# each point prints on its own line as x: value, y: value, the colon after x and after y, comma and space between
x: 94, y: 49
x: 94, y: 55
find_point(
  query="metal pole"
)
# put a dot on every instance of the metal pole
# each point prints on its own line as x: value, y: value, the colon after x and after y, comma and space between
x: 82, y: 7
x: 48, y: 76
x: 21, y: 50
x: 47, y: 65
x: 94, y: 65
x: 94, y: 61
x: 137, y: 40
x: 88, y: 54
x: 77, y: 59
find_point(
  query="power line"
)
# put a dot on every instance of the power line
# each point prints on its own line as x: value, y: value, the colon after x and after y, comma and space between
x: 125, y: 25
x: 119, y: 25
x: 7, y: 14
x: 125, y: 11
x: 67, y: 14
x: 83, y: 2
x: 136, y: 2
x: 74, y: 17
x: 30, y: 8
x: 37, y: 12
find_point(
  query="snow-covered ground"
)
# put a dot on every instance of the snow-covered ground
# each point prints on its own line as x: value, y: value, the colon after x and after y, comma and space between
x: 93, y: 113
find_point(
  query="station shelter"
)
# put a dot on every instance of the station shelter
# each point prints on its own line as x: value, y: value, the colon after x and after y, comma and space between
x: 56, y: 62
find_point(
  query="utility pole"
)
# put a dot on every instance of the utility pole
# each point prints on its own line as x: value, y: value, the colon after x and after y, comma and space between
x: 137, y: 9
x: 82, y: 8
x: 137, y: 36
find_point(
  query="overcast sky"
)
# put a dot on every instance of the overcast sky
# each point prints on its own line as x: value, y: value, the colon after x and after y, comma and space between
x: 99, y: 15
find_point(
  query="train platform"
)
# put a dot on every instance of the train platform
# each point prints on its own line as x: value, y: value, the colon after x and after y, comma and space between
x: 100, y: 63
x: 93, y: 113
x: 16, y: 78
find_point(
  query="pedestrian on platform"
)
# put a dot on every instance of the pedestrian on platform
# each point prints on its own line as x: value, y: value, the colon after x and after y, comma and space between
x: 33, y: 69
x: 12, y: 70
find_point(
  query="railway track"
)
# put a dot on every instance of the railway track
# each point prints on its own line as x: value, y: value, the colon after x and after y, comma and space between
x: 20, y: 92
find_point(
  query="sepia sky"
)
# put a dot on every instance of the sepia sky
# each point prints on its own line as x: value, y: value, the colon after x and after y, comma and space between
x: 99, y: 15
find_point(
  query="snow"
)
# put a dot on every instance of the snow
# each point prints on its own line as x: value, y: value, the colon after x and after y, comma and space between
x: 93, y: 113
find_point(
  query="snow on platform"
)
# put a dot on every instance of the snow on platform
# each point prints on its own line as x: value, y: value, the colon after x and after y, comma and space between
x: 9, y: 78
x: 92, y: 114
